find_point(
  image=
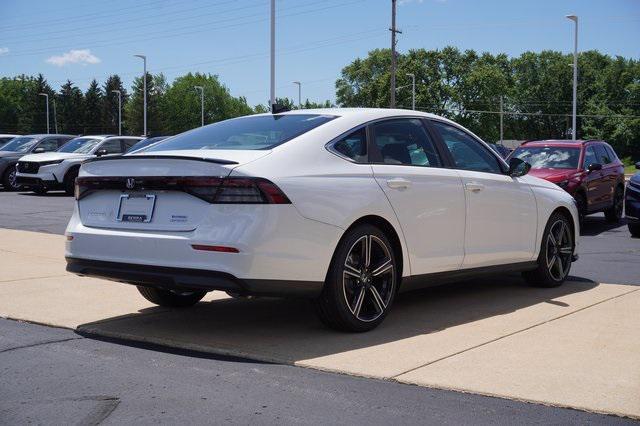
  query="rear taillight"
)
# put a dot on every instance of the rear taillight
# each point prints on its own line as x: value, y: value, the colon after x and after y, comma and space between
x: 214, y: 190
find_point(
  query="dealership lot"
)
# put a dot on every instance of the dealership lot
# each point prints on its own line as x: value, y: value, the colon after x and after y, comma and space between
x: 493, y: 336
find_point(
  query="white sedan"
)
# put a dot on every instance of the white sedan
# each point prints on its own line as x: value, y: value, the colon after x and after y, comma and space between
x: 345, y: 206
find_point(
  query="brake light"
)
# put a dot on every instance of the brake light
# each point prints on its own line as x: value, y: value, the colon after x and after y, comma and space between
x: 214, y: 190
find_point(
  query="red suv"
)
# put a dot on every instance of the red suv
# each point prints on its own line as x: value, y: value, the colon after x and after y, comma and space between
x: 589, y: 170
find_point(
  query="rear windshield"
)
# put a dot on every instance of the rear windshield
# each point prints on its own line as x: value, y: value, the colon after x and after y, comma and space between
x: 549, y: 157
x: 79, y: 145
x: 254, y: 132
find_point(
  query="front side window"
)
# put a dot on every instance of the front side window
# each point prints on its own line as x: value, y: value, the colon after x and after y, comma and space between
x: 405, y: 142
x: 250, y: 133
x: 80, y: 145
x: 549, y: 157
x: 353, y: 146
x: 112, y: 146
x: 49, y: 145
x: 603, y: 156
x: 589, y: 157
x: 467, y: 153
x: 611, y: 152
x: 21, y: 144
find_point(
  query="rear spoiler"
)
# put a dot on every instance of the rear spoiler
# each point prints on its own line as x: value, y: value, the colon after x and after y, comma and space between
x: 159, y: 157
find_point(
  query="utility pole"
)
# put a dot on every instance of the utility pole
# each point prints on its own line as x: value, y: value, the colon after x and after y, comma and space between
x: 47, y: 98
x: 413, y: 90
x: 299, y: 93
x: 394, y: 31
x: 144, y: 80
x: 201, y: 90
x: 55, y: 117
x: 119, y: 111
x: 501, y: 121
x: 273, y: 55
x: 574, y: 18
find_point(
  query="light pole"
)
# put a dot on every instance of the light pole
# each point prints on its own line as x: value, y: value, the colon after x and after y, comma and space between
x: 144, y: 80
x: 119, y: 111
x: 413, y: 90
x: 574, y: 18
x: 273, y: 55
x: 55, y: 116
x: 299, y: 93
x: 47, y: 98
x: 201, y: 89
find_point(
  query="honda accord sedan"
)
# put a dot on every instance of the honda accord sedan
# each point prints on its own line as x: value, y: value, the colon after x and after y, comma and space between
x: 343, y: 206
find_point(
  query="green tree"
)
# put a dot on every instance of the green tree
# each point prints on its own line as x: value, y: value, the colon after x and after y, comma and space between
x: 181, y: 103
x: 93, y: 109
x: 110, y: 103
x: 70, y: 109
x: 134, y: 109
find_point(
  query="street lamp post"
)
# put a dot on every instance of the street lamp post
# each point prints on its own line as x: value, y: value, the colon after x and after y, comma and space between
x: 119, y: 111
x: 273, y: 55
x: 144, y: 80
x: 299, y: 93
x: 201, y: 89
x: 55, y: 116
x: 574, y: 18
x: 47, y: 98
x: 413, y: 90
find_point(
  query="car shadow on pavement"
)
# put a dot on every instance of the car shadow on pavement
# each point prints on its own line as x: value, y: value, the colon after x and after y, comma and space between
x: 597, y: 225
x: 48, y: 194
x: 287, y: 331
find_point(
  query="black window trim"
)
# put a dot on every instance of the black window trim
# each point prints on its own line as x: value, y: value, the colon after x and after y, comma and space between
x: 329, y: 146
x: 504, y: 167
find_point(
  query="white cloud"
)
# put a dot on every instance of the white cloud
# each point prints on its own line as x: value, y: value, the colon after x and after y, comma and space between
x: 403, y: 2
x: 4, y: 50
x: 82, y: 56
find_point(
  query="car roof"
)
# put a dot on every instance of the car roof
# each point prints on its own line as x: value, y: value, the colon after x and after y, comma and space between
x: 561, y: 142
x: 362, y: 113
x: 45, y: 135
x: 4, y: 135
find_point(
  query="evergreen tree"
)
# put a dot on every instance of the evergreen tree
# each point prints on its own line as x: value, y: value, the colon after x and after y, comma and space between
x: 93, y: 99
x: 110, y: 104
x: 156, y: 86
x: 70, y: 109
x: 33, y: 114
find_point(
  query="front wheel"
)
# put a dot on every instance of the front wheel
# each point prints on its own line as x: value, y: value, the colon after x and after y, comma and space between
x: 361, y: 282
x: 556, y: 254
x: 614, y: 213
x: 171, y: 298
x: 9, y: 179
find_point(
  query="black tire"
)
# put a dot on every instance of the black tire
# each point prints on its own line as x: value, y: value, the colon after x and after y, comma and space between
x: 357, y: 294
x: 557, y: 248
x: 634, y: 229
x: 614, y: 213
x: 581, y: 205
x: 70, y: 180
x: 9, y: 179
x: 171, y: 298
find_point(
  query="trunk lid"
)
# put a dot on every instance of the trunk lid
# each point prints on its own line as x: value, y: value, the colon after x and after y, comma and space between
x: 151, y: 191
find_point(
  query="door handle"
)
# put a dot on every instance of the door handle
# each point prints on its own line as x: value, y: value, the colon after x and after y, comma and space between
x: 398, y: 183
x: 474, y: 186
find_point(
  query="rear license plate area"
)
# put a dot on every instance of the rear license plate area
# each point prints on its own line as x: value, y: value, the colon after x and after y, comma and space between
x: 136, y: 208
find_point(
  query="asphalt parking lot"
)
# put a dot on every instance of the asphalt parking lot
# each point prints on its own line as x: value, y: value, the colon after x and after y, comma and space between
x: 90, y: 376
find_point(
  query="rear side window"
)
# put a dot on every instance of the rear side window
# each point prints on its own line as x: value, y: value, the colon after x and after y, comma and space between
x: 128, y: 143
x: 250, y: 133
x: 603, y: 156
x: 353, y: 146
x: 405, y: 142
x: 467, y: 153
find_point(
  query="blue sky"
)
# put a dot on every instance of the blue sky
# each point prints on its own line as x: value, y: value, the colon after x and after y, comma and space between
x: 83, y: 39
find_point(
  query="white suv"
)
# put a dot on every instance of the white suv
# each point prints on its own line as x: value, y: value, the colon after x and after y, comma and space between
x: 58, y: 170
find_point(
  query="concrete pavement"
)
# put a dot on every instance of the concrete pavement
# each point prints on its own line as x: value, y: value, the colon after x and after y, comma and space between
x: 494, y: 337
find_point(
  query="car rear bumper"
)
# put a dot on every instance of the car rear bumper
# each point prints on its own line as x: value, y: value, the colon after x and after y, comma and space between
x: 190, y: 279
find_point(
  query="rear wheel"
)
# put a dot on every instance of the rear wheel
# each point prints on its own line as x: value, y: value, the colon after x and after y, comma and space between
x: 171, y: 298
x: 556, y: 254
x: 361, y: 283
x: 614, y: 213
x: 9, y: 179
x: 634, y: 229
x: 70, y: 181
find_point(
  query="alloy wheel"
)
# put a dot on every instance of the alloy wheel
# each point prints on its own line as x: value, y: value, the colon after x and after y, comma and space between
x: 559, y: 251
x: 368, y: 278
x: 13, y: 180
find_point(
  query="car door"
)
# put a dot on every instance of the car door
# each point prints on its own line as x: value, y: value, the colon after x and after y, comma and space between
x: 427, y: 198
x: 593, y: 181
x: 608, y: 173
x: 501, y: 213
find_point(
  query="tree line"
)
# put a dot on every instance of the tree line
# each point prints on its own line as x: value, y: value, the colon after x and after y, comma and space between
x: 536, y: 92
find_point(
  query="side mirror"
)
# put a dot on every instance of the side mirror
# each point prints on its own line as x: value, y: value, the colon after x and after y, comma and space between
x: 101, y: 152
x: 638, y: 165
x: 38, y: 150
x: 518, y: 167
x: 595, y: 166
